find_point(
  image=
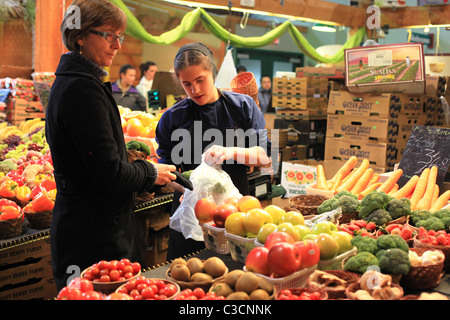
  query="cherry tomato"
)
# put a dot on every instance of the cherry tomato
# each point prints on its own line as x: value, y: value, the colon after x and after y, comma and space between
x: 148, y: 293
x: 68, y: 293
x: 91, y: 295
x: 130, y: 285
x: 126, y: 261
x: 113, y: 265
x: 199, y: 293
x: 105, y: 278
x: 114, y: 275
x: 103, y: 264
x: 81, y: 284
x: 136, y: 266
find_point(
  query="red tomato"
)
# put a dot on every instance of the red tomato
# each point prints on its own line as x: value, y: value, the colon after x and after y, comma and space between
x: 91, y: 295
x: 113, y: 265
x: 114, y: 275
x: 126, y: 261
x: 148, y: 293
x: 131, y: 285
x: 199, y: 293
x: 118, y: 296
x: 103, y: 265
x: 105, y: 278
x: 68, y: 293
x: 82, y: 284
x: 136, y: 266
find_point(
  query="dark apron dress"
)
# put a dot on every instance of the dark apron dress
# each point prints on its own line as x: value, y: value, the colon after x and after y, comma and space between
x: 179, y: 246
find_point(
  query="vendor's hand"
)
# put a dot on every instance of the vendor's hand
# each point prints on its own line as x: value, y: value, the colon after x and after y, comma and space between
x: 218, y: 155
x: 165, y: 174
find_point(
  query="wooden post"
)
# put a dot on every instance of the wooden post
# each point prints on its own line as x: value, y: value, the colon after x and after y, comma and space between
x: 48, y: 44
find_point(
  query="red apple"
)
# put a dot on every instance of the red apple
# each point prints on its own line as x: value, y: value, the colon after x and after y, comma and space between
x: 284, y: 259
x: 310, y: 252
x: 204, y: 209
x: 256, y: 261
x: 232, y: 200
x: 222, y: 212
x: 277, y: 237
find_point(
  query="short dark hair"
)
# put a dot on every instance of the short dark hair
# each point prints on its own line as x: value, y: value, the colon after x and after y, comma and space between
x: 146, y: 65
x: 125, y: 68
x: 241, y: 68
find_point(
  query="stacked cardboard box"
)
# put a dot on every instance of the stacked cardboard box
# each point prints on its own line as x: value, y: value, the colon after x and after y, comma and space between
x: 19, y: 110
x: 371, y: 126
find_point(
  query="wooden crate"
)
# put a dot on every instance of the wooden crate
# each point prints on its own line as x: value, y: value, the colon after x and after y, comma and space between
x: 19, y: 110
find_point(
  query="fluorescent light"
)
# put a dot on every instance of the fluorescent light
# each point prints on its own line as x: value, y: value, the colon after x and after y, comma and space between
x: 323, y: 27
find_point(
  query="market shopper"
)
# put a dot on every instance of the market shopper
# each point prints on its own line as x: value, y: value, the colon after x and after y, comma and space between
x: 265, y: 94
x: 125, y: 93
x: 206, y: 108
x: 148, y: 71
x: 93, y: 216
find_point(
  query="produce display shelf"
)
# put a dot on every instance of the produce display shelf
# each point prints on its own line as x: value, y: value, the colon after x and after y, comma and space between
x: 155, y: 202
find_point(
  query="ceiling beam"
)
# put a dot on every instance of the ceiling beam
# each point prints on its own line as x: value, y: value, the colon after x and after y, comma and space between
x: 307, y: 10
x: 415, y: 16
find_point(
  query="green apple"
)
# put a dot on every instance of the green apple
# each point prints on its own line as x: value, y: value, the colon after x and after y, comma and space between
x: 329, y: 248
x: 302, y: 230
x: 293, y: 217
x: 324, y: 227
x: 265, y: 230
x: 289, y: 228
x: 255, y: 218
x: 310, y: 236
x: 343, y: 240
x: 276, y: 213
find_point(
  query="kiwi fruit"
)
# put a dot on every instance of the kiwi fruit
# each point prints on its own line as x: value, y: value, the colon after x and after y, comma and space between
x: 265, y: 285
x: 195, y: 265
x: 180, y: 272
x: 177, y: 261
x: 215, y: 267
x: 200, y: 277
x: 232, y: 277
x: 248, y: 282
x: 238, y: 295
x: 221, y: 289
x: 259, y: 294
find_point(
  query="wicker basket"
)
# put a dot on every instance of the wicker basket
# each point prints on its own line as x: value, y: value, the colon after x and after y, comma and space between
x: 423, y: 277
x: 306, y: 204
x: 347, y: 217
x: 352, y: 288
x: 299, y: 291
x: 333, y: 292
x: 336, y: 262
x: 39, y: 220
x: 11, y: 227
x: 245, y: 83
x: 205, y: 285
x: 108, y: 287
x: 445, y: 250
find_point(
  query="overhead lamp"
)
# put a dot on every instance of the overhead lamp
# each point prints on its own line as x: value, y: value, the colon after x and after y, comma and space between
x: 323, y: 27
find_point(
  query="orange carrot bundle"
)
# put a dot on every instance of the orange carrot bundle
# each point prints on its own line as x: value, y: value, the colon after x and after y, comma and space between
x: 321, y: 181
x: 407, y: 189
x: 346, y: 168
x: 435, y: 195
x: 425, y: 202
x: 349, y: 183
x: 369, y: 190
x: 362, y: 183
x: 390, y: 181
x: 394, y: 189
x: 441, y: 201
x: 420, y: 188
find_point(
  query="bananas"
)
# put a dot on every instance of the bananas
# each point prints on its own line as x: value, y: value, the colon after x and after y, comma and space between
x: 24, y: 128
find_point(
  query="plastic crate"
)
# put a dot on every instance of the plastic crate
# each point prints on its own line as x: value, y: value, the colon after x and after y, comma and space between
x: 215, y: 239
x: 239, y: 246
x: 336, y: 263
x: 298, y: 279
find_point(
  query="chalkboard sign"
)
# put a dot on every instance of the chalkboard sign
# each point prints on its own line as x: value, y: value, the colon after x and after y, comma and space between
x: 426, y: 147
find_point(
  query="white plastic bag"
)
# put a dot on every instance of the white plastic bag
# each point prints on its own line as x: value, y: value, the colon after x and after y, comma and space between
x: 227, y: 72
x: 209, y: 182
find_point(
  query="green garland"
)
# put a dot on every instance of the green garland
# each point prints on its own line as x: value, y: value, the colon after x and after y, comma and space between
x: 136, y: 30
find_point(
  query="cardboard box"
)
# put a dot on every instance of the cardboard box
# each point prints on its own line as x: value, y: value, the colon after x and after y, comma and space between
x: 310, y: 113
x: 435, y: 85
x: 298, y: 152
x: 30, y: 269
x: 386, y: 68
x: 326, y: 72
x: 38, y: 288
x: 298, y: 102
x: 383, y: 105
x: 27, y: 251
x: 19, y: 110
x: 302, y: 132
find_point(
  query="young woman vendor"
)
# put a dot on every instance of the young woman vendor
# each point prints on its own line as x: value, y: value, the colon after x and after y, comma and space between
x: 206, y: 107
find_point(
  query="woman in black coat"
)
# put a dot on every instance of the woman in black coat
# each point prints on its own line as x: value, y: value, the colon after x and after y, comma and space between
x: 93, y: 216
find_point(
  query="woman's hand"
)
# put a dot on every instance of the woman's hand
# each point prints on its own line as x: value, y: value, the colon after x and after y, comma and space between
x: 165, y: 174
x: 218, y: 154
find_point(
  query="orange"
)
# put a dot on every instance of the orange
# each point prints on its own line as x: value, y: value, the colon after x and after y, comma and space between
x: 146, y: 133
x: 146, y: 118
x: 132, y: 115
x: 124, y: 124
x: 134, y: 127
x: 152, y: 129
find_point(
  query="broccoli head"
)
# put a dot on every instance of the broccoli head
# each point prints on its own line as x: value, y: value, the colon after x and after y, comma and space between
x: 373, y: 201
x: 343, y: 193
x: 398, y: 208
x: 360, y: 262
x: 441, y: 214
x: 391, y: 241
x: 394, y: 261
x: 418, y: 215
x: 138, y: 146
x: 379, y: 216
x: 328, y: 205
x: 348, y: 204
x: 365, y: 244
x: 432, y: 223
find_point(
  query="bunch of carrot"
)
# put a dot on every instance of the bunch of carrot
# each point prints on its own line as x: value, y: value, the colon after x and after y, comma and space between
x: 422, y: 190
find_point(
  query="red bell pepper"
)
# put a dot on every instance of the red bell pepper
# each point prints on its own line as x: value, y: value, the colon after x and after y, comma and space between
x: 42, y: 202
x: 16, y: 175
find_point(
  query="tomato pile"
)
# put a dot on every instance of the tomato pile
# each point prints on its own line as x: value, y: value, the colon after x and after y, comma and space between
x: 197, y: 294
x: 440, y: 237
x: 358, y: 227
x: 291, y: 294
x: 404, y: 230
x: 112, y: 271
x: 79, y: 289
x: 143, y: 288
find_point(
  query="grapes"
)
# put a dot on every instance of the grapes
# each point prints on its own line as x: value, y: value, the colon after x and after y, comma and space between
x: 13, y: 140
x: 35, y: 147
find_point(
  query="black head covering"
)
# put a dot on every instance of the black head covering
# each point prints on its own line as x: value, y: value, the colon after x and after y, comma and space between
x: 195, y: 46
